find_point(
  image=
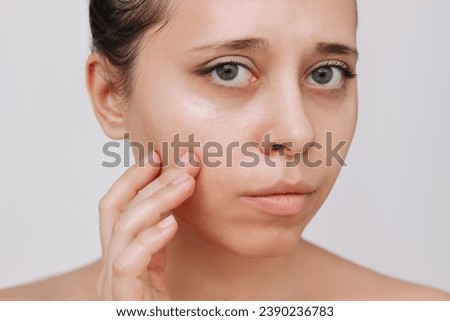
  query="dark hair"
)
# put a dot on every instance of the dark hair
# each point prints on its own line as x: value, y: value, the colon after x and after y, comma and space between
x: 117, y: 26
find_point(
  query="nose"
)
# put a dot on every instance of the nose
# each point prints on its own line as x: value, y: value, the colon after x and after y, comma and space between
x: 289, y: 131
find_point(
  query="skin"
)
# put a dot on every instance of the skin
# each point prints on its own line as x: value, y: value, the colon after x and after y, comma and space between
x: 186, y: 232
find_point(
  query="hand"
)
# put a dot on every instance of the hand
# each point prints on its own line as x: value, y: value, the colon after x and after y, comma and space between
x: 135, y: 228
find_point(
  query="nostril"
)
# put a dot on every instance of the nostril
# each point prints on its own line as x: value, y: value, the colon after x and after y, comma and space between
x: 277, y: 147
x: 282, y: 149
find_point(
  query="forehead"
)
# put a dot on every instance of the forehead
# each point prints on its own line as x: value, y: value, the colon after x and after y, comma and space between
x: 290, y: 23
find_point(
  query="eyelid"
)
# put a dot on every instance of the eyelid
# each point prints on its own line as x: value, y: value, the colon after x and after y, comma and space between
x: 214, y: 64
x: 327, y: 90
x: 207, y: 70
x: 347, y: 71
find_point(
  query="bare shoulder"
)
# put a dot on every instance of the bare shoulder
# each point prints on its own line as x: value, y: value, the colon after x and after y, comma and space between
x: 76, y: 285
x: 336, y: 278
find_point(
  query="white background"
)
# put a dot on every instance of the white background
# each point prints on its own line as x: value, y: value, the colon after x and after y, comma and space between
x: 390, y: 209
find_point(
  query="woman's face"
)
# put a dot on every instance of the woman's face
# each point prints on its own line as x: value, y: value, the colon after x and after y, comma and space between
x: 231, y: 72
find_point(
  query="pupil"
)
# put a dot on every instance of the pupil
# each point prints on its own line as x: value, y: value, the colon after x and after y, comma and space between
x: 323, y: 75
x: 227, y: 72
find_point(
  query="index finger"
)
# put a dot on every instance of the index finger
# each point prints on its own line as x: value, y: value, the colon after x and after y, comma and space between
x: 189, y: 163
x: 123, y: 190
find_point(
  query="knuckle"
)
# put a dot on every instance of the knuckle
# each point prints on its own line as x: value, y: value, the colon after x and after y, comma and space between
x: 154, y: 205
x: 119, y: 268
x: 104, y: 205
x: 120, y: 227
x: 144, y: 241
x: 168, y: 176
x: 164, y: 179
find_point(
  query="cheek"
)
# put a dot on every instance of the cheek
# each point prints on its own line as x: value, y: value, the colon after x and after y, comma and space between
x: 216, y: 142
x: 334, y: 121
x: 211, y: 209
x: 334, y: 125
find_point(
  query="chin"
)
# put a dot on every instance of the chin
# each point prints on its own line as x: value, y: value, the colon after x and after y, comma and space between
x: 268, y: 245
x: 254, y: 242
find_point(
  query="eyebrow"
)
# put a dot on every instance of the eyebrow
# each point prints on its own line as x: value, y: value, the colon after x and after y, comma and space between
x: 237, y: 44
x: 261, y: 44
x: 335, y: 48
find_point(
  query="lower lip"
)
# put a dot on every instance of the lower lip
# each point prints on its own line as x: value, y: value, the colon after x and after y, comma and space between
x: 280, y: 205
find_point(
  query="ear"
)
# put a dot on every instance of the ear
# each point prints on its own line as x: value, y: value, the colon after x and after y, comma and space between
x: 107, y: 105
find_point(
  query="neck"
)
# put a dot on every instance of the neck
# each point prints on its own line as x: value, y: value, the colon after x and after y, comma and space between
x: 198, y: 269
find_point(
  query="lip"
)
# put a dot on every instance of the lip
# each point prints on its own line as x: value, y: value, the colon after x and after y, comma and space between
x: 281, y: 199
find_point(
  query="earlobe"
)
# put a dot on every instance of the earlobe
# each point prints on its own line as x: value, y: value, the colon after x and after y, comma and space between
x: 106, y: 103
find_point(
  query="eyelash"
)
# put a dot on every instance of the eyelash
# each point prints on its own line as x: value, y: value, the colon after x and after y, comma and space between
x: 347, y: 72
x: 208, y: 70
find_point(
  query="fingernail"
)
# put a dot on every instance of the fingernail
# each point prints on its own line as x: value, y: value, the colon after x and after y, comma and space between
x: 180, y: 179
x: 184, y: 160
x: 151, y: 159
x: 169, y: 220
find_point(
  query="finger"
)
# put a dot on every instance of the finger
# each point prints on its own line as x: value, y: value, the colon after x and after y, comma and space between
x: 189, y: 163
x: 156, y: 276
x: 130, y: 265
x: 158, y: 260
x: 148, y: 213
x: 122, y: 192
